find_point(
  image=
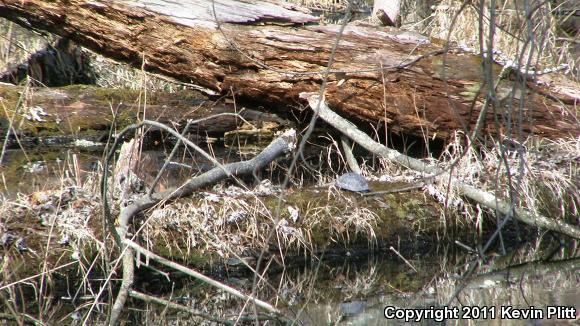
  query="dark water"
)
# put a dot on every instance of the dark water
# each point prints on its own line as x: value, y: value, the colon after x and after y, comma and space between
x: 358, y: 291
x: 39, y: 169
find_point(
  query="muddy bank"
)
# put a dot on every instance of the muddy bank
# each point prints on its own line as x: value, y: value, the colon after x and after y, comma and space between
x: 217, y: 231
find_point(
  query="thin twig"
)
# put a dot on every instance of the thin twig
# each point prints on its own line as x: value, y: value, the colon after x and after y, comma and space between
x: 151, y: 299
x: 199, y: 276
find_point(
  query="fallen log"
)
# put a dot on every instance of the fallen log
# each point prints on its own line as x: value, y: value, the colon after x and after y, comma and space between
x: 60, y: 115
x: 264, y: 52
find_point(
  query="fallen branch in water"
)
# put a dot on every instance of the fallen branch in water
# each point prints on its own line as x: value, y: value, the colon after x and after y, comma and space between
x: 396, y: 190
x: 150, y: 255
x: 172, y: 305
x: 280, y: 146
x: 151, y: 299
x: 120, y: 138
x: 484, y: 198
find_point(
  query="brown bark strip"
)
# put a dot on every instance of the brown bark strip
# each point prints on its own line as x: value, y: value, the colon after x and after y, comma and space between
x: 272, y: 64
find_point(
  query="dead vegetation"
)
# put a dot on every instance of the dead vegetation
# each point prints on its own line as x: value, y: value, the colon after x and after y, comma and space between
x: 232, y: 221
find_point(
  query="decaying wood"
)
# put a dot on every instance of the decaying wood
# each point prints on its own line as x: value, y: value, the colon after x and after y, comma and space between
x: 59, y: 64
x: 388, y: 12
x: 348, y: 155
x: 484, y: 198
x: 65, y: 112
x: 385, y: 77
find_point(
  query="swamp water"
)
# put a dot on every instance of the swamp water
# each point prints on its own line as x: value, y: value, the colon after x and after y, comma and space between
x: 344, y: 287
x: 361, y: 290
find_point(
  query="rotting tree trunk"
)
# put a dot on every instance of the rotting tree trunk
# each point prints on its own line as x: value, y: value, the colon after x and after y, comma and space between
x: 264, y: 53
x: 59, y: 64
x: 61, y: 114
x: 388, y: 12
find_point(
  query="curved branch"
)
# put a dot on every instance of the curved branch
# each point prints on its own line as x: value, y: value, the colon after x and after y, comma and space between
x: 120, y: 137
x: 281, y: 145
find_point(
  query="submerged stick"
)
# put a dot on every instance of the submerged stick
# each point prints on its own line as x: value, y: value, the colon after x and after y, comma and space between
x: 199, y: 276
x: 280, y: 146
x: 151, y: 299
x: 483, y: 197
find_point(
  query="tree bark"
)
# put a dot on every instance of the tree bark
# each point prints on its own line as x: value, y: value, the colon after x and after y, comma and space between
x: 264, y: 52
x: 59, y: 64
x: 65, y: 114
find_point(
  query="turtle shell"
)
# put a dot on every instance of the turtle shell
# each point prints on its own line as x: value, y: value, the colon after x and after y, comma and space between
x: 353, y: 182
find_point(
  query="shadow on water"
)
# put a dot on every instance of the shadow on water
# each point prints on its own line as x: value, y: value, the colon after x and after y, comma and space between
x: 355, y: 288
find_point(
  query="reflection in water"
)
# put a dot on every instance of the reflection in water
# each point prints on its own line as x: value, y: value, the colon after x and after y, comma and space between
x: 528, y: 287
x: 40, y: 169
x: 356, y: 292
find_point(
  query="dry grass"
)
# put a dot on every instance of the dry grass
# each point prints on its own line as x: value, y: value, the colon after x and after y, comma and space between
x: 67, y: 209
x: 232, y: 221
x: 55, y: 235
x: 544, y: 174
x: 516, y: 38
x: 112, y: 74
